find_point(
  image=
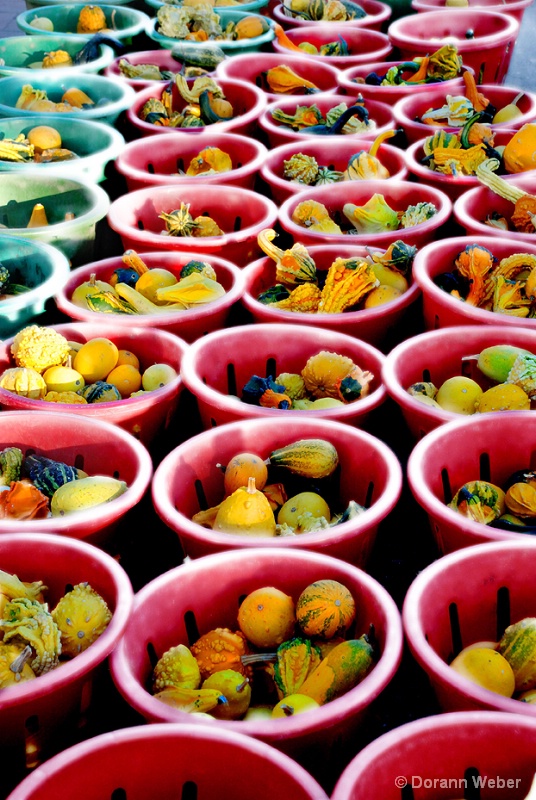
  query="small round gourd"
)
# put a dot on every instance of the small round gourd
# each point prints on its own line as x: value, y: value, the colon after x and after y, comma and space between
x: 101, y: 392
x: 325, y: 609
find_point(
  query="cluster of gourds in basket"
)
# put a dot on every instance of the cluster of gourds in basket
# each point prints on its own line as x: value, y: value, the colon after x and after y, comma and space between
x: 357, y: 255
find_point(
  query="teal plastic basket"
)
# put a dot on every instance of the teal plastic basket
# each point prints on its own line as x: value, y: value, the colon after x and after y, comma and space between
x: 230, y: 47
x: 21, y: 54
x: 95, y: 144
x: 37, y: 265
x: 248, y: 5
x: 124, y: 23
x: 59, y: 196
x: 111, y: 98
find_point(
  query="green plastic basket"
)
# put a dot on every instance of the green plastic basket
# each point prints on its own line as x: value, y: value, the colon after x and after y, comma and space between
x: 37, y: 265
x: 124, y: 23
x: 230, y: 47
x: 19, y: 53
x: 59, y: 196
x: 95, y: 144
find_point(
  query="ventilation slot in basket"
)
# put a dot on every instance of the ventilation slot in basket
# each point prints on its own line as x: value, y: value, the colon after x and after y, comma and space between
x: 118, y: 794
x: 503, y: 610
x: 190, y: 623
x: 406, y: 793
x: 271, y: 367
x: 231, y: 379
x: 189, y: 791
x: 472, y: 781
x: 485, y: 470
x: 33, y: 742
x: 201, y: 497
x: 455, y: 631
x: 447, y: 489
x: 151, y: 652
x: 150, y: 169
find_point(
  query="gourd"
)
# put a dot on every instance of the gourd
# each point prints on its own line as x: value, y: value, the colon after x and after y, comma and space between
x: 48, y: 475
x: 248, y: 28
x: 517, y: 645
x: 246, y: 512
x: 24, y: 381
x: 519, y: 154
x: 91, y: 19
x: 241, y: 468
x: 325, y: 608
x: 221, y: 648
x: 101, y: 392
x: 90, y: 287
x: 324, y: 372
x: 295, y: 660
x: 310, y: 458
x: 85, y: 493
x: 57, y: 58
x: 38, y: 217
x: 342, y: 669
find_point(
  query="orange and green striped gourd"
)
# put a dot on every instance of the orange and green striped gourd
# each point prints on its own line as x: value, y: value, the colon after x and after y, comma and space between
x: 325, y: 609
x: 518, y: 646
x: 340, y: 671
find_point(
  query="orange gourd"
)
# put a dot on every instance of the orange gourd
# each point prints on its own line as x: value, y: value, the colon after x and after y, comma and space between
x: 325, y: 608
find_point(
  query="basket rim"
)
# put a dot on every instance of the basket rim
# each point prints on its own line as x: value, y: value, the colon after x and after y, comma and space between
x: 60, y: 271
x: 398, y: 35
x: 337, y: 709
x: 101, y: 648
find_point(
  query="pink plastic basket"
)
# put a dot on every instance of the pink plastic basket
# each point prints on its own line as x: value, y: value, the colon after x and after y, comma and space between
x: 97, y: 447
x: 278, y: 134
x: 280, y: 188
x: 488, y: 51
x: 248, y: 69
x: 159, y: 165
x: 36, y: 713
x: 268, y: 350
x: 144, y: 416
x: 247, y: 102
x: 440, y: 309
x: 369, y: 324
x: 207, y: 592
x: 123, y: 763
x: 364, y: 44
x: 375, y: 482
x: 472, y: 207
x: 466, y: 597
x: 455, y: 751
x: 452, y: 185
x: 411, y: 108
x: 481, y: 447
x: 399, y: 195
x: 514, y: 8
x: 438, y: 355
x: 188, y: 325
x: 377, y: 15
x: 241, y: 213
x: 387, y: 94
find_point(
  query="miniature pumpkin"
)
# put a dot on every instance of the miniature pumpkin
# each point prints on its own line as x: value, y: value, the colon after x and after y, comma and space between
x: 57, y: 58
x: 91, y: 19
x: 325, y: 608
x: 221, y: 648
x: 519, y: 154
x: 24, y: 381
x: 324, y: 371
x: 241, y: 468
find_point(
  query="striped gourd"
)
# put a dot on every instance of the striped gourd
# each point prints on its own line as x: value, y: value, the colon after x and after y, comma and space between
x: 341, y: 670
x: 311, y: 458
x: 101, y: 392
x: 325, y: 608
x: 518, y: 646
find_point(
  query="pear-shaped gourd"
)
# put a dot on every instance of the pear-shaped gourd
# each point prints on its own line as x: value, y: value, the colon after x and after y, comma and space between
x: 509, y: 112
x: 246, y: 512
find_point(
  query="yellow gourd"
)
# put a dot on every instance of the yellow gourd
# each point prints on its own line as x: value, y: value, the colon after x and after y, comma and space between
x: 91, y: 19
x: 246, y: 512
x: 519, y: 154
x: 249, y: 27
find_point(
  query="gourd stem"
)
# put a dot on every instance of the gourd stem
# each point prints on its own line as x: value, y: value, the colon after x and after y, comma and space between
x: 486, y: 175
x: 17, y: 665
x: 379, y: 139
x: 251, y: 485
x: 264, y: 240
x: 256, y: 658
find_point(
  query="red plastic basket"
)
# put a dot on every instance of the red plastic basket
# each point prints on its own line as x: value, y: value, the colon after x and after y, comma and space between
x: 364, y: 44
x: 452, y: 185
x: 144, y: 416
x: 440, y: 309
x: 377, y: 15
x: 514, y: 8
x: 369, y: 324
x: 124, y: 763
x: 387, y: 94
x: 160, y: 58
x: 466, y: 597
x: 143, y: 166
x: 97, y: 447
x: 456, y: 752
x: 411, y: 108
x: 399, y: 195
x: 280, y: 188
x: 207, y: 592
x: 248, y: 69
x: 249, y: 350
x: 188, y: 325
x: 241, y: 213
x: 487, y: 52
x: 483, y: 447
x: 247, y: 101
x: 278, y: 134
x: 36, y: 713
x: 375, y: 482
x: 436, y: 356
x: 472, y: 207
